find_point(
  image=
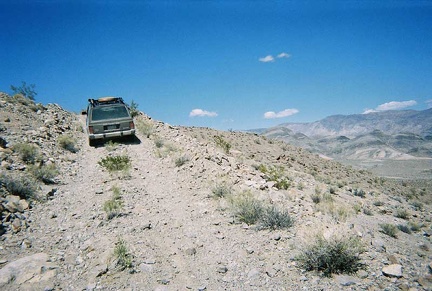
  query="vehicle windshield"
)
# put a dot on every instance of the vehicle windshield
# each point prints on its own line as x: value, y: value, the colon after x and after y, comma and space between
x: 109, y: 112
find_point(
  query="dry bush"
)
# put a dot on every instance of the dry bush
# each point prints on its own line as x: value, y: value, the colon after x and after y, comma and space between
x: 67, y: 142
x: 44, y: 173
x: 332, y: 256
x: 21, y: 185
x: 29, y: 153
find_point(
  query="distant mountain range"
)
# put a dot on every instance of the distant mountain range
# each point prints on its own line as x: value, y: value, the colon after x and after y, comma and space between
x: 381, y: 135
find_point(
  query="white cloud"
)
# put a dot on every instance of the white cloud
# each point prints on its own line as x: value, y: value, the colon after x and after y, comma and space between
x: 429, y: 103
x: 200, y: 112
x: 281, y: 114
x: 283, y: 55
x: 267, y: 59
x: 393, y: 105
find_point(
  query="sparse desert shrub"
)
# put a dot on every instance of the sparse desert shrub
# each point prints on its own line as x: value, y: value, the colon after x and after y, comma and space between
x: 300, y: 186
x: 316, y: 198
x: 133, y: 109
x: 378, y: 203
x: 180, y: 161
x: 159, y: 142
x: 273, y: 218
x: 113, y: 206
x: 25, y: 90
x: 67, y: 142
x: 404, y: 228
x: 221, y: 190
x: 21, y: 186
x: 414, y: 226
x: 165, y: 150
x: 29, y: 153
x: 367, y: 211
x: 389, y: 229
x: 111, y: 145
x: 122, y: 255
x: 115, y: 163
x: 222, y: 143
x: 332, y: 256
x: 327, y: 197
x: 145, y: 128
x: 357, y: 208
x: 332, y: 190
x: 417, y: 205
x: 276, y: 174
x: 359, y: 193
x: 401, y: 213
x: 246, y: 208
x: 44, y: 173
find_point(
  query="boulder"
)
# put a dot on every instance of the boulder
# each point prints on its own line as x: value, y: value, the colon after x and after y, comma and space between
x: 393, y: 270
x: 32, y: 269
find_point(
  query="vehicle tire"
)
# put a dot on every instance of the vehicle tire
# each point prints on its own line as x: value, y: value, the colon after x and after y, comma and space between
x: 92, y: 142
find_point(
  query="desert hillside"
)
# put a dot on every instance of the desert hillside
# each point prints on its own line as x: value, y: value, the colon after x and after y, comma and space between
x: 183, y: 208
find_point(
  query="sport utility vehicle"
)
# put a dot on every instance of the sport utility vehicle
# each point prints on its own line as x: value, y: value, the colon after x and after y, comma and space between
x: 108, y: 117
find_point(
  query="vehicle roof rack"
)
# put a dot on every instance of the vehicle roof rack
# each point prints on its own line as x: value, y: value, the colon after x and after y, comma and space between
x: 106, y: 101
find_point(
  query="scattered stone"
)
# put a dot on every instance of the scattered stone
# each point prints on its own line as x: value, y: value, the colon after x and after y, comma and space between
x: 394, y: 270
x: 222, y: 269
x: 345, y: 280
x: 426, y: 282
x: 191, y: 251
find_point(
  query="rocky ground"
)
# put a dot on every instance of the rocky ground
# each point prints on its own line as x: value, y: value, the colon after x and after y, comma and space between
x: 177, y: 234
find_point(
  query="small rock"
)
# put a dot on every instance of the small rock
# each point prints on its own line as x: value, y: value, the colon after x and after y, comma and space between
x: 191, y: 251
x: 253, y: 273
x: 394, y: 270
x: 222, y: 269
x: 345, y: 280
x: 362, y: 274
x: 426, y: 282
x: 276, y: 237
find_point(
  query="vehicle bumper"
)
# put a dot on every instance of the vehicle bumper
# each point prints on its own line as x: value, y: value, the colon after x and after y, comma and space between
x: 112, y: 134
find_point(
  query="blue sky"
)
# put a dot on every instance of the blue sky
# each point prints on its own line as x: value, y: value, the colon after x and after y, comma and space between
x: 222, y: 64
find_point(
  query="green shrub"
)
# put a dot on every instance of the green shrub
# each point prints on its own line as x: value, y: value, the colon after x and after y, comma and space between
x: 68, y: 143
x: 246, y: 208
x: 44, y: 173
x: 21, y: 186
x: 115, y: 163
x: 221, y: 190
x: 276, y: 174
x: 181, y: 161
x: 389, y: 229
x: 359, y: 193
x: 332, y: 256
x: 122, y: 255
x: 274, y: 218
x: 220, y: 142
x: 29, y: 153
